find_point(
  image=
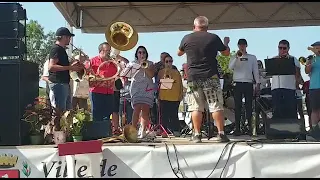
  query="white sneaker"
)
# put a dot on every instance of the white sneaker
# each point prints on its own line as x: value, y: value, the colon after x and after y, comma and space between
x: 141, y: 133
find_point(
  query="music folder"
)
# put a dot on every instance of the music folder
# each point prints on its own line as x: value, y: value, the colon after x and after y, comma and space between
x: 130, y: 70
x: 280, y: 66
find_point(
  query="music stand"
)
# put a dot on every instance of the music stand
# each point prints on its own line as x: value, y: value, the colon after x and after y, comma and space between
x: 280, y: 66
x: 130, y: 71
x: 159, y: 125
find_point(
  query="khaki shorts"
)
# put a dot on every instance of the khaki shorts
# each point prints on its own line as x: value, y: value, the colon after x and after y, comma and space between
x: 205, y: 94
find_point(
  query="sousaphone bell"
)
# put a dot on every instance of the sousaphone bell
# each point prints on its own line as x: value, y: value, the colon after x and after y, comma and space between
x: 129, y: 135
x: 121, y: 36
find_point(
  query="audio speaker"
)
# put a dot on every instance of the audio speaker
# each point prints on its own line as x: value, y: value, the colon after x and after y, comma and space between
x: 12, y: 47
x: 278, y: 128
x: 12, y: 12
x: 14, y: 29
x: 20, y: 87
x: 93, y: 130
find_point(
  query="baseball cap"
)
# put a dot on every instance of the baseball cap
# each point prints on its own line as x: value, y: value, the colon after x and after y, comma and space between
x: 63, y: 31
x: 316, y: 43
x: 242, y: 42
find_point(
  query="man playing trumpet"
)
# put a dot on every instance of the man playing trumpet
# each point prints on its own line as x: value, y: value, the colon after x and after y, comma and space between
x: 245, y: 73
x: 313, y: 69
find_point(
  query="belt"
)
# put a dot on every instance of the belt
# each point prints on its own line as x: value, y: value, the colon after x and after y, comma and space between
x: 243, y: 82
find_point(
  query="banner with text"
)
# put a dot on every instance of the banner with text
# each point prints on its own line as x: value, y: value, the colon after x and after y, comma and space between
x: 188, y: 161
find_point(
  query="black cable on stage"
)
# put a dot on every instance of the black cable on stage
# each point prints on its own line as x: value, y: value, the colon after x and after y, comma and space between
x: 250, y: 143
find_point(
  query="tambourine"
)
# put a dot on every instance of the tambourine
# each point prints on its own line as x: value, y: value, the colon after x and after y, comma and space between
x: 101, y: 79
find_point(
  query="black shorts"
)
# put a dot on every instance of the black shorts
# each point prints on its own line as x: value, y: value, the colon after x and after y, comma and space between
x: 314, y: 96
x: 116, y: 103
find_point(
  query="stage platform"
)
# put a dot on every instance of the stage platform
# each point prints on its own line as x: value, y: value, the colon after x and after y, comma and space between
x: 242, y: 157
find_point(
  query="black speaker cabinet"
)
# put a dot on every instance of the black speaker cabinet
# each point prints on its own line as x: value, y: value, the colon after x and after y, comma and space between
x: 12, y: 47
x: 12, y: 12
x: 96, y: 129
x: 278, y: 128
x: 19, y: 87
x: 12, y: 29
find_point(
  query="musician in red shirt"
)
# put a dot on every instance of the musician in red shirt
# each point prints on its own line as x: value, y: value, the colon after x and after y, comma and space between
x: 101, y: 94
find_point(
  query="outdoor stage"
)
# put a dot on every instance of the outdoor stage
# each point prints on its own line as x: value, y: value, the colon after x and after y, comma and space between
x: 147, y: 160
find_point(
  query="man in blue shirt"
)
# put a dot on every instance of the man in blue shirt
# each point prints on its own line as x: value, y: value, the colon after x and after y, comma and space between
x: 313, y: 69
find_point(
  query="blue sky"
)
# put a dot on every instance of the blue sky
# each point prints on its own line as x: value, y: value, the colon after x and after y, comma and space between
x: 262, y: 42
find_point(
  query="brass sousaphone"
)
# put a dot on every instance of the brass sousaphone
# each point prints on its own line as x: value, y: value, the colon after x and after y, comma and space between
x: 121, y: 36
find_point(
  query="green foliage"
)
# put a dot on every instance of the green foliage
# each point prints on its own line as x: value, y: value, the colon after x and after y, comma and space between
x: 37, y: 115
x: 42, y: 92
x: 79, y: 118
x: 73, y: 121
x: 224, y: 62
x: 38, y: 43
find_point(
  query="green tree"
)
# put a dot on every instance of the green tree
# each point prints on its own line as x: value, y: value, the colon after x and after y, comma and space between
x: 224, y: 62
x: 38, y: 43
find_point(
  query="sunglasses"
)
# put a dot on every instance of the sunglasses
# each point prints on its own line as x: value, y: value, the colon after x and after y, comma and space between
x: 284, y: 48
x: 141, y: 52
x: 169, y: 61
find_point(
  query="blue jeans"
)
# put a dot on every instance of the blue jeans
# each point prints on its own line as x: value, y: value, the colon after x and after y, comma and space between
x: 60, y: 96
x: 284, y: 103
x: 101, y: 106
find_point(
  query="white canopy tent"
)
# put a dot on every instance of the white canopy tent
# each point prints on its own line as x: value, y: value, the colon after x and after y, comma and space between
x: 94, y: 17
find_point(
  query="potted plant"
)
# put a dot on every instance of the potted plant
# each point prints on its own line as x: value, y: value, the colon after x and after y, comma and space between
x: 37, y: 115
x: 79, y: 118
x: 61, y: 135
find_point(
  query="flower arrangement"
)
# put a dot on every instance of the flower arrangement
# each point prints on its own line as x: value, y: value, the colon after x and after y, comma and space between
x: 80, y: 117
x: 37, y: 115
x: 72, y: 122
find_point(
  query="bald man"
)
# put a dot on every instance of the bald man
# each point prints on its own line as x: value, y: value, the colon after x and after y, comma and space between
x: 203, y: 91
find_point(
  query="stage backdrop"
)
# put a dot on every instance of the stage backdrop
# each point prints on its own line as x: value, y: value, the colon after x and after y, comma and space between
x: 257, y: 160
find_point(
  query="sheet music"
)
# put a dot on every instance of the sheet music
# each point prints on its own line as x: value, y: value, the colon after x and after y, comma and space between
x: 130, y: 70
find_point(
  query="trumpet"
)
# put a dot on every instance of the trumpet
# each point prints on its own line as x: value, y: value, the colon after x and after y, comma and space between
x: 144, y: 64
x: 166, y: 75
x: 303, y: 60
x: 239, y: 53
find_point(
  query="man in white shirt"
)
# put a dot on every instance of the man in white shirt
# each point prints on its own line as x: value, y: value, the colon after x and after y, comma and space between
x: 45, y: 77
x: 80, y: 89
x: 245, y: 73
x: 283, y: 87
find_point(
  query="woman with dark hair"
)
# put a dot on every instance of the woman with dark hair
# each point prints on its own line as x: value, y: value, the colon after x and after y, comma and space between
x: 170, y: 98
x: 142, y: 90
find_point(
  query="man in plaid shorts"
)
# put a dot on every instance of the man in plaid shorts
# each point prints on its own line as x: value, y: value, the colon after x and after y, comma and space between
x: 204, y: 92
